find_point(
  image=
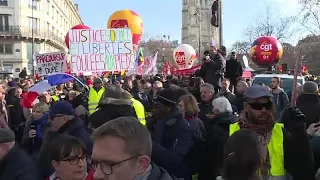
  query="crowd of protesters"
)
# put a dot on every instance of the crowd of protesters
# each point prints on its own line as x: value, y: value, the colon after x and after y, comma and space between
x: 212, y: 125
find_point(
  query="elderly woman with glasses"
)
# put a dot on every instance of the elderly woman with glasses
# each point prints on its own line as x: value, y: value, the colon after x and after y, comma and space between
x: 69, y: 159
x: 35, y: 129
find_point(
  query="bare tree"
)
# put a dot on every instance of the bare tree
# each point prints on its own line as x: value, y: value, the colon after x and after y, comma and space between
x: 309, y: 17
x: 241, y: 47
x: 164, y: 47
x: 269, y: 22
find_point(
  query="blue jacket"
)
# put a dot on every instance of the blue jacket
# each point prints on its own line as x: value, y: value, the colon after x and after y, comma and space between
x: 172, y: 138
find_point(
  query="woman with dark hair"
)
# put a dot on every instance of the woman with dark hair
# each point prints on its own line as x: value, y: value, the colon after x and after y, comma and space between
x: 69, y: 159
x: 171, y: 135
x: 242, y: 156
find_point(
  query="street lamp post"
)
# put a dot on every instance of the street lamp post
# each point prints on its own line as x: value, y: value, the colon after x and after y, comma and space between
x: 32, y: 36
x: 220, y: 19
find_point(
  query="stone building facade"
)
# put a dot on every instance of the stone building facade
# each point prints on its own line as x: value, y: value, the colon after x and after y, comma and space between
x: 194, y: 11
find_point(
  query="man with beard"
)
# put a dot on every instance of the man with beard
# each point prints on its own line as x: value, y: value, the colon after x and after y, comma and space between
x: 280, y: 98
x: 284, y: 147
x: 233, y: 70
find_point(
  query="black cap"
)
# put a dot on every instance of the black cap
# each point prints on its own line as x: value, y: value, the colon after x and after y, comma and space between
x: 6, y: 135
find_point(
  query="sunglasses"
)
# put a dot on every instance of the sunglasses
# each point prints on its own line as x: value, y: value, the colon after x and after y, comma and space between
x: 260, y: 106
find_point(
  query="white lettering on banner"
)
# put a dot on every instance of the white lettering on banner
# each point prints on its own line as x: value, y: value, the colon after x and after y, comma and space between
x: 101, y: 50
x: 51, y: 63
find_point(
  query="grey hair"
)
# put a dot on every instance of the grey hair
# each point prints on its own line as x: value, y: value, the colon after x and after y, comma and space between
x: 136, y: 136
x: 310, y: 87
x: 208, y: 86
x: 222, y: 105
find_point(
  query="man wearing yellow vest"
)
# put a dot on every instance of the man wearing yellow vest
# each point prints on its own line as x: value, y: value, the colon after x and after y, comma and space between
x: 285, y: 147
x: 95, y: 94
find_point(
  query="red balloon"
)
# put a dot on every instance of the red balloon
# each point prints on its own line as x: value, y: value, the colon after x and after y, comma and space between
x: 266, y: 51
x: 79, y: 26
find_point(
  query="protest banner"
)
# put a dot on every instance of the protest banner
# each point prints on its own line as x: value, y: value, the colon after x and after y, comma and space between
x: 97, y: 50
x: 50, y: 63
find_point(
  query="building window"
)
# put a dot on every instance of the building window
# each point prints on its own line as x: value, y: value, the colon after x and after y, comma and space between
x: 48, y: 7
x: 6, y: 48
x: 53, y: 11
x: 48, y: 28
x: 4, y: 22
x: 33, y: 24
x: 33, y: 4
x: 57, y: 19
x: 3, y: 3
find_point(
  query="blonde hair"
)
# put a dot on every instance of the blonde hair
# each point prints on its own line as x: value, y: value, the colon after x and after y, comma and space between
x: 43, y: 107
x: 73, y: 94
x: 190, y: 104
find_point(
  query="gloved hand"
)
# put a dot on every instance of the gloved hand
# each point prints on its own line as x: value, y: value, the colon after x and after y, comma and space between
x: 293, y: 115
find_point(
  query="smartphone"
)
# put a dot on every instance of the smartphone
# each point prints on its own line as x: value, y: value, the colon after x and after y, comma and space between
x: 32, y: 127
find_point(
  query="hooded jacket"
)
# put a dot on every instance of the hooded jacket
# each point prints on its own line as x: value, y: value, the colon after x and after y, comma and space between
x: 280, y: 102
x: 111, y: 108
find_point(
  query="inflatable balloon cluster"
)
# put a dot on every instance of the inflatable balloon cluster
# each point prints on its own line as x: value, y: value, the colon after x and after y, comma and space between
x: 266, y: 51
x: 184, y: 55
x: 128, y: 19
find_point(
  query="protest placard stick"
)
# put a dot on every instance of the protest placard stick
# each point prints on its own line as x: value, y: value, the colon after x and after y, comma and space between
x: 294, y: 88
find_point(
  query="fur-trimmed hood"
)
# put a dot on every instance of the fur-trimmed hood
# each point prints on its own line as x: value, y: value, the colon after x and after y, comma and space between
x: 114, y: 101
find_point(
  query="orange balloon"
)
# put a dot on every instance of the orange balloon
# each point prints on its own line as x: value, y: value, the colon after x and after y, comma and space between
x: 127, y: 19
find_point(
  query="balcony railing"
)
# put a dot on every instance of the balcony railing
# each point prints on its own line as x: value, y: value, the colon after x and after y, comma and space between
x: 24, y: 31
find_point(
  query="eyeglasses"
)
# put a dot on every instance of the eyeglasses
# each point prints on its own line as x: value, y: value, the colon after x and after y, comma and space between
x: 75, y: 160
x: 107, y: 168
x: 260, y: 106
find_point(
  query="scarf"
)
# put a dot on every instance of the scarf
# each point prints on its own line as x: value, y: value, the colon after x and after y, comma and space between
x: 261, y: 129
x: 189, y: 116
x: 39, y: 125
x: 145, y: 175
x: 54, y: 176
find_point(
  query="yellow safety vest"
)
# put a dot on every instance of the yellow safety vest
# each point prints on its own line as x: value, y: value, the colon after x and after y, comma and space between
x: 55, y: 98
x: 139, y: 108
x: 275, y: 148
x: 94, y: 98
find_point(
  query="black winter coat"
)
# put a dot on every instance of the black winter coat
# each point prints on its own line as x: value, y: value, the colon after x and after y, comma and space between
x: 171, y: 141
x: 158, y: 173
x: 110, y: 108
x: 211, y: 71
x: 217, y: 136
x: 18, y: 165
x: 309, y: 105
x: 233, y: 69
